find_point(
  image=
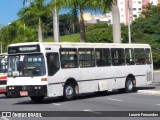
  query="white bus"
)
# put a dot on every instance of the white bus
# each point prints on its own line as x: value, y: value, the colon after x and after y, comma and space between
x: 43, y: 70
x: 3, y: 72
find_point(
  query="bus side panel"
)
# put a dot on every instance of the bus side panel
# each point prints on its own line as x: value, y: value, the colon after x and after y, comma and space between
x: 86, y: 80
x: 54, y: 90
x: 88, y: 86
x: 103, y: 85
x: 120, y: 83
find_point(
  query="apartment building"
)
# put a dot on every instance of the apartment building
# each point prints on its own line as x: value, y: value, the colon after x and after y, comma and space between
x: 132, y: 8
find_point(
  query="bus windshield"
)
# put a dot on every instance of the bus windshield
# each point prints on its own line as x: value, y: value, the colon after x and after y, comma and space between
x: 28, y: 65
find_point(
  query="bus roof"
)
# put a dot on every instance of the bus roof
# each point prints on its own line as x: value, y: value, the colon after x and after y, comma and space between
x: 79, y: 44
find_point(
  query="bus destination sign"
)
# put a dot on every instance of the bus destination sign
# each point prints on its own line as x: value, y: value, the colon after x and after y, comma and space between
x: 23, y: 49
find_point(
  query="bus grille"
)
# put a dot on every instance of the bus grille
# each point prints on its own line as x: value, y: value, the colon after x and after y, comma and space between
x: 149, y: 76
x: 4, y: 82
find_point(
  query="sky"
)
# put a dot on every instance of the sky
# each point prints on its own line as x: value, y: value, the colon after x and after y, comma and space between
x: 9, y: 10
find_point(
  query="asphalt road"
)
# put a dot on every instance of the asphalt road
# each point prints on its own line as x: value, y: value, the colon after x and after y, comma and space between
x: 93, y: 104
x: 90, y: 103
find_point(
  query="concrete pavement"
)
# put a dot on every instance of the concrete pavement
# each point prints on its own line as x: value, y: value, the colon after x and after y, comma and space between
x: 154, y: 87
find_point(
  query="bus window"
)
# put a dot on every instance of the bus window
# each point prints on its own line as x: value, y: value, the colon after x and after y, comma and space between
x: 117, y: 56
x: 147, y: 56
x: 86, y: 57
x: 103, y: 57
x: 129, y: 55
x: 3, y: 65
x: 26, y: 65
x: 52, y: 63
x: 68, y: 58
x: 139, y: 56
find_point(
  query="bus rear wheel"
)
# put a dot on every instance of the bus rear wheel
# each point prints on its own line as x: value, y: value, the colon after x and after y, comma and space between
x: 37, y: 99
x: 69, y: 92
x: 129, y: 86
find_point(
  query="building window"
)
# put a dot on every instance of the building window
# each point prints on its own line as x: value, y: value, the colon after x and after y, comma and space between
x: 139, y: 2
x: 135, y: 16
x: 134, y: 9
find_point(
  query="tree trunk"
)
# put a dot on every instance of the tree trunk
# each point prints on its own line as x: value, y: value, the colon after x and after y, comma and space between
x: 40, y: 38
x: 55, y: 25
x: 116, y: 23
x: 82, y: 27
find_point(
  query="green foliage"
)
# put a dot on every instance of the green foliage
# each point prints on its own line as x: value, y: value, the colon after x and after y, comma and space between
x: 66, y: 38
x: 99, y: 33
x: 22, y: 33
x: 146, y: 29
x: 103, y: 33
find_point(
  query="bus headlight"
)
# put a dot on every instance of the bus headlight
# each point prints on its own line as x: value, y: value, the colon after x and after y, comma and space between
x: 11, y: 88
x: 37, y: 87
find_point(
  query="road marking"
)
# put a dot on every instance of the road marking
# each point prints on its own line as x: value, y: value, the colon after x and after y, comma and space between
x: 56, y: 104
x: 92, y: 111
x: 3, y: 118
x: 114, y: 99
x: 158, y: 104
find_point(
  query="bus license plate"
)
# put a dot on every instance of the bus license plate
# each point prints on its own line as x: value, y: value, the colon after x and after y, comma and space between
x: 23, y: 93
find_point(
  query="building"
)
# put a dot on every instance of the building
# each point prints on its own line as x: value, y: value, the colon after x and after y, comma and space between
x: 126, y: 7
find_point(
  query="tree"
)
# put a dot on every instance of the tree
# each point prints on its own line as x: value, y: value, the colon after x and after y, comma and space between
x: 108, y: 5
x: 146, y: 29
x: 54, y: 5
x: 81, y: 6
x: 33, y: 15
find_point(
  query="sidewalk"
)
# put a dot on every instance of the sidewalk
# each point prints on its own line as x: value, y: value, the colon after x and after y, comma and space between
x: 153, y: 88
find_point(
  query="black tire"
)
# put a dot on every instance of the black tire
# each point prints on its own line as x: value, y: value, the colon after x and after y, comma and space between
x: 7, y: 95
x: 37, y: 99
x: 129, y: 86
x: 69, y: 92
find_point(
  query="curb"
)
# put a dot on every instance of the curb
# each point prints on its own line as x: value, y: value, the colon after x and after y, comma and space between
x: 149, y: 92
x: 156, y: 71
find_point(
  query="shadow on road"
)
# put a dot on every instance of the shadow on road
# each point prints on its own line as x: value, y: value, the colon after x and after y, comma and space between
x: 79, y: 97
x: 145, y: 88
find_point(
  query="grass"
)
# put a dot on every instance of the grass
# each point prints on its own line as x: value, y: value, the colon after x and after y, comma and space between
x: 66, y: 38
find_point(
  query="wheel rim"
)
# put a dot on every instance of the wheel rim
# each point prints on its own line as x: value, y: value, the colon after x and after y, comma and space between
x: 129, y: 85
x: 69, y: 91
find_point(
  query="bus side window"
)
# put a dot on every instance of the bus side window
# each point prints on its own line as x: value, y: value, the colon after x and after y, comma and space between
x: 53, y: 63
x: 139, y: 56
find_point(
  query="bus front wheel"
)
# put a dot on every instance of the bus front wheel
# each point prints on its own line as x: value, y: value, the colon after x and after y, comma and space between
x: 129, y: 86
x: 69, y: 92
x: 37, y: 99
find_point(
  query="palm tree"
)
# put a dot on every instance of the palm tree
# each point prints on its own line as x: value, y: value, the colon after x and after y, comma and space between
x: 35, y: 11
x: 54, y: 5
x: 111, y: 5
x: 116, y: 23
x: 81, y: 5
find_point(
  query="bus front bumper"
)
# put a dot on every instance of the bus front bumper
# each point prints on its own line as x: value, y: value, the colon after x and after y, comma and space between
x: 31, y: 90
